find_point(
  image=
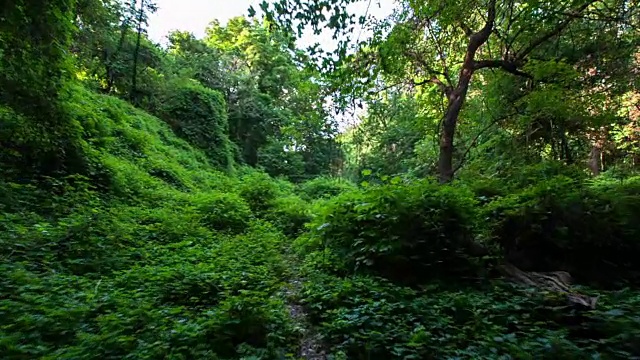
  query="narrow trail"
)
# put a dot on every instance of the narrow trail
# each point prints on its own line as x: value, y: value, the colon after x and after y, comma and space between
x: 311, y: 346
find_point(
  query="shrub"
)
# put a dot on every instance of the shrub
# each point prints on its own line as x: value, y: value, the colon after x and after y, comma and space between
x: 225, y: 212
x: 168, y: 225
x: 407, y: 232
x: 191, y: 299
x: 324, y: 187
x: 369, y: 318
x: 289, y: 213
x: 589, y: 229
x: 91, y: 241
x: 199, y: 115
x: 259, y: 191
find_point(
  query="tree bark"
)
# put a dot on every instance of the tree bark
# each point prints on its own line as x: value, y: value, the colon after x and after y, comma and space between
x: 458, y: 95
x: 595, y: 159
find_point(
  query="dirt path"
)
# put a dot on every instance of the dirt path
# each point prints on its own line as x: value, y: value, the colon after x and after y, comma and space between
x: 310, y: 346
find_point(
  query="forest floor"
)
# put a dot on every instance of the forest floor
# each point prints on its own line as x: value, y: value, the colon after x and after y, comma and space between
x: 311, y: 346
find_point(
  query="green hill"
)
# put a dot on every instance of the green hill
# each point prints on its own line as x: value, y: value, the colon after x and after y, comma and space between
x: 163, y: 256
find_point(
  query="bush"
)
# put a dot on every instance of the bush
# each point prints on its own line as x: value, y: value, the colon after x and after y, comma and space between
x: 289, y: 214
x: 587, y: 229
x: 225, y: 212
x: 197, y: 298
x: 324, y: 187
x: 278, y: 162
x: 199, y: 115
x: 92, y: 241
x: 407, y: 232
x: 259, y: 191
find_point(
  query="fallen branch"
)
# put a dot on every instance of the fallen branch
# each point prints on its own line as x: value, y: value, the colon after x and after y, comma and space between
x: 555, y: 281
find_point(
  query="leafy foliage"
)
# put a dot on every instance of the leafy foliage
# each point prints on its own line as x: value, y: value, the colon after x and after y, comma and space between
x: 323, y: 187
x: 290, y: 214
x: 152, y: 276
x: 259, y: 191
x: 225, y: 212
x: 407, y: 232
x: 364, y: 317
x: 199, y: 115
x: 559, y: 223
x: 228, y: 226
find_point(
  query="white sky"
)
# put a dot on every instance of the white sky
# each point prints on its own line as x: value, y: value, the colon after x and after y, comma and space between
x: 195, y: 15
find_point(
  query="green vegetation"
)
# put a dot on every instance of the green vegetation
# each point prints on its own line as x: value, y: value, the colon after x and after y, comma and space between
x: 199, y: 202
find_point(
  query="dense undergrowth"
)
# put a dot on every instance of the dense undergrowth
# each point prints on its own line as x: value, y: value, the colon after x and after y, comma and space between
x: 183, y: 203
x: 156, y: 254
x: 163, y: 257
x: 391, y: 271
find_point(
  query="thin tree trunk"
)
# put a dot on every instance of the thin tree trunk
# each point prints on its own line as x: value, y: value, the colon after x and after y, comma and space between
x: 134, y: 77
x: 458, y: 95
x: 110, y: 57
x: 595, y: 160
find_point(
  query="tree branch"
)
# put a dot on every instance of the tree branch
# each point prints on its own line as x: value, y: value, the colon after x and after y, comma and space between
x: 467, y: 30
x: 434, y: 80
x: 508, y: 66
x: 556, y: 31
x: 445, y: 68
x: 481, y: 36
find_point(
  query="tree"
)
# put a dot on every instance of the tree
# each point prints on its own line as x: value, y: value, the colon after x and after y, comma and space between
x: 445, y: 43
x: 146, y: 7
x: 111, y: 45
x: 276, y: 109
x: 35, y: 70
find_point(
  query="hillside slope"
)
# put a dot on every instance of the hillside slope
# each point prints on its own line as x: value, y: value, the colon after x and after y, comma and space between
x: 157, y: 256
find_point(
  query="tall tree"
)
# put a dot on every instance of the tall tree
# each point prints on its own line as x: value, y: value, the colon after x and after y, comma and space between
x: 35, y: 69
x: 445, y: 43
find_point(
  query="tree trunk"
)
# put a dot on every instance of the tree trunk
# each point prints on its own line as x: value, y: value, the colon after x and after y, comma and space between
x: 595, y: 160
x: 134, y: 76
x: 456, y: 100
x: 458, y: 95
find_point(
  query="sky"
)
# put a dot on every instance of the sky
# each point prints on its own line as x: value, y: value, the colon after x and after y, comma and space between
x: 195, y: 15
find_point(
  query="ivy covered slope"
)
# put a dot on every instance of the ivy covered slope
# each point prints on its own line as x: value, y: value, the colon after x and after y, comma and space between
x: 174, y: 260
x: 131, y: 235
